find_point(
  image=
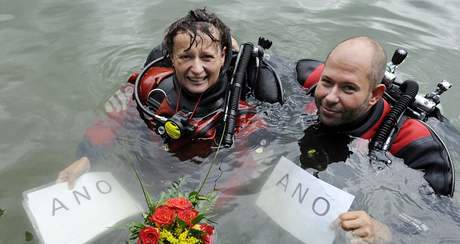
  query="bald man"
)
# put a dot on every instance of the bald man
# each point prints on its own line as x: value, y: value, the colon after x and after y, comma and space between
x: 345, y: 94
x: 349, y: 87
x: 348, y: 97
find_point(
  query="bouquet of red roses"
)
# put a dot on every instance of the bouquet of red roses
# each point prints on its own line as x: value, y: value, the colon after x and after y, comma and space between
x: 175, y: 219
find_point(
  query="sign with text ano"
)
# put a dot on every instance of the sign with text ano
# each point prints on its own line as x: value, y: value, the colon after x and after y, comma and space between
x: 94, y: 205
x: 301, y: 204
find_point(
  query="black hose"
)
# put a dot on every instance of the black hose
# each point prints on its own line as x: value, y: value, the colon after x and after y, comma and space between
x: 235, y: 93
x: 409, y: 90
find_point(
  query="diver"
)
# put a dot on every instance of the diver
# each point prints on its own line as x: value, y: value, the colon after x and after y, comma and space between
x: 349, y: 99
x: 192, y: 93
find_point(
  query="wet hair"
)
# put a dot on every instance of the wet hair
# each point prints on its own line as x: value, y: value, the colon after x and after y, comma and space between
x: 198, y: 20
x: 378, y: 61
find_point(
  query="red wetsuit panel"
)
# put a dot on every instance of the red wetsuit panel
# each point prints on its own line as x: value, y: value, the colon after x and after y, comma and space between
x: 411, y: 130
x: 371, y: 131
x: 313, y: 78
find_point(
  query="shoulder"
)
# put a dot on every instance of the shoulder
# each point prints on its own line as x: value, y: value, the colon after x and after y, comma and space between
x: 422, y: 149
x: 411, y: 131
x: 308, y: 72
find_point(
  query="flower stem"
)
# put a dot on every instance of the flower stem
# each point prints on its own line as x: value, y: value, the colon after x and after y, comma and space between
x: 213, y: 160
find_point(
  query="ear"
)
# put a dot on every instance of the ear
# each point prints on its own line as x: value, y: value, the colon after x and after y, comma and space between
x: 224, y: 52
x: 377, y: 94
x: 171, y: 59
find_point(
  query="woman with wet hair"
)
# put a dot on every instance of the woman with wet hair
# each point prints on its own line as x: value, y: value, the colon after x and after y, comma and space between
x: 185, y: 94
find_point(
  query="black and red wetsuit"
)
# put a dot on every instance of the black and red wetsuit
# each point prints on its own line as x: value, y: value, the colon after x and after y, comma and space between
x: 121, y: 112
x: 121, y: 134
x: 414, y: 141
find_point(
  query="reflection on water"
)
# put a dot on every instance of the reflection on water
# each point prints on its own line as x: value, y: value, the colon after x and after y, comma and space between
x: 61, y: 60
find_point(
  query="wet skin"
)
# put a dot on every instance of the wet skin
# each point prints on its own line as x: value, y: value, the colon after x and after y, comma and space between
x: 344, y: 93
x: 198, y: 68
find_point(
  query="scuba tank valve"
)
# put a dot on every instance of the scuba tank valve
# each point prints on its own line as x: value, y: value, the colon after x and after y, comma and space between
x: 248, y: 52
x: 423, y: 106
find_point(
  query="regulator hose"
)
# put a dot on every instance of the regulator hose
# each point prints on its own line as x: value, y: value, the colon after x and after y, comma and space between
x: 409, y: 90
x: 235, y: 92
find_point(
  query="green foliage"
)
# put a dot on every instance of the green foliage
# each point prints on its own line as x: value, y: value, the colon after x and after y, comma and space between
x: 134, y: 229
x: 2, y: 211
x: 173, y: 231
x: 201, y: 203
x: 148, y: 198
x: 194, y: 197
x: 174, y: 191
x: 181, y: 223
x: 197, y: 219
x: 206, y: 202
x: 196, y: 232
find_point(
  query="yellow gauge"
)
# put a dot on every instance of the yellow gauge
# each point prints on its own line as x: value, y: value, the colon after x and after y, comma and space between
x: 173, y: 130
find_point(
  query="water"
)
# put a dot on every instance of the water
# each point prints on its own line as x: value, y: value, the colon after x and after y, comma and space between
x: 62, y: 59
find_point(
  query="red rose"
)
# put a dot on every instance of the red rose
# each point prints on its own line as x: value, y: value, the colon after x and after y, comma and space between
x: 163, y: 215
x: 179, y: 203
x: 207, y: 239
x: 148, y: 235
x: 187, y: 215
x: 208, y: 229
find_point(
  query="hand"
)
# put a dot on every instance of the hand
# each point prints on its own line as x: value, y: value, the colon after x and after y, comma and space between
x: 73, y: 171
x: 366, y: 228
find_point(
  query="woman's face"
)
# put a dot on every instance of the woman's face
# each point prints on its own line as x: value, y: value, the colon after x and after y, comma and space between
x: 197, y: 68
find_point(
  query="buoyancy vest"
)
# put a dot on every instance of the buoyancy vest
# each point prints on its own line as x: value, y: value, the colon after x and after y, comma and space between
x: 260, y: 79
x: 207, y: 118
x: 203, y: 114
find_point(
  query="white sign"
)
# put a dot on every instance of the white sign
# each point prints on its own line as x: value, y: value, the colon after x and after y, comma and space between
x: 96, y: 203
x: 301, y: 204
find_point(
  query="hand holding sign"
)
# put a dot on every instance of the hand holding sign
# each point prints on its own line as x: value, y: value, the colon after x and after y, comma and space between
x: 364, y: 227
x: 311, y: 206
x: 60, y: 215
x: 73, y: 171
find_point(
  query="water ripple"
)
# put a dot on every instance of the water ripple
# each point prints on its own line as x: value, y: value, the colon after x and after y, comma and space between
x: 115, y: 64
x: 6, y: 17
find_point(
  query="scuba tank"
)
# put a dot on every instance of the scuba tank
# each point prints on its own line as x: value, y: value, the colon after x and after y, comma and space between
x: 405, y: 100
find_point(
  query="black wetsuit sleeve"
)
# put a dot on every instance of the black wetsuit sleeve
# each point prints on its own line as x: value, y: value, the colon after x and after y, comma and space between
x: 93, y: 152
x: 429, y: 155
